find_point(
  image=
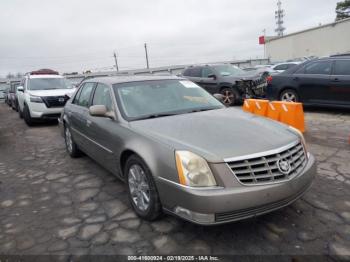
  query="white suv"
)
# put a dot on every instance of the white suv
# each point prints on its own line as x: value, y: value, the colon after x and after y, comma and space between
x: 42, y: 95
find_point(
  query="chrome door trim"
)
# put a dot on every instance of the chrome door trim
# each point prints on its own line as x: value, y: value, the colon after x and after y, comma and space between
x: 93, y: 141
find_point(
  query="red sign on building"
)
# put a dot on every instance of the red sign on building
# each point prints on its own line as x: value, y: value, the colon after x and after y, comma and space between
x: 261, y: 40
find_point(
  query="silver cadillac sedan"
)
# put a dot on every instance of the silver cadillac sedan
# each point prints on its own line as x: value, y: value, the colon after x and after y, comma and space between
x: 181, y: 151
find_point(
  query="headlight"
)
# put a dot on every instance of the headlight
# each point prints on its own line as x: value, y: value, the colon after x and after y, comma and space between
x: 36, y: 99
x: 297, y: 131
x: 193, y: 170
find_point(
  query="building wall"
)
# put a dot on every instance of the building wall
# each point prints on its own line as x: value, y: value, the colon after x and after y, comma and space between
x: 321, y: 41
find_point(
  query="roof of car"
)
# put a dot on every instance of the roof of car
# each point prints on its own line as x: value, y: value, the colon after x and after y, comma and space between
x: 110, y: 80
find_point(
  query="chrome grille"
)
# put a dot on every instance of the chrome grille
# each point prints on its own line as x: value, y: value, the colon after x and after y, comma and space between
x: 264, y: 169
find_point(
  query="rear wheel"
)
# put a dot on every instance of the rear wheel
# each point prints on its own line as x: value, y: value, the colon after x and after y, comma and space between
x: 230, y: 96
x: 71, y: 146
x: 289, y: 95
x: 26, y: 115
x: 143, y: 193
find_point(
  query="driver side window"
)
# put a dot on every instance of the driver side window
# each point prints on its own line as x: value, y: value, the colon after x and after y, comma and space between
x: 102, y: 96
x: 206, y: 71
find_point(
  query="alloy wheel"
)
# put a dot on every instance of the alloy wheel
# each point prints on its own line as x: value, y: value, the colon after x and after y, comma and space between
x: 69, y: 142
x: 229, y: 97
x: 139, y: 187
x: 289, y: 97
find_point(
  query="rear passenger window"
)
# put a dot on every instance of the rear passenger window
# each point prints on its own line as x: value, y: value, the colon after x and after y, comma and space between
x: 187, y: 72
x: 84, y: 96
x: 102, y: 96
x: 281, y: 67
x: 342, y: 67
x: 319, y: 68
x: 196, y: 72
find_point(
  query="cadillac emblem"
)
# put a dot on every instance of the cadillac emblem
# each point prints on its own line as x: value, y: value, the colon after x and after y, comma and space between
x: 283, y: 166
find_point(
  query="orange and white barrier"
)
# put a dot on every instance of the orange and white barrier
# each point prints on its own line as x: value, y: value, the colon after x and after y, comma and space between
x: 289, y: 113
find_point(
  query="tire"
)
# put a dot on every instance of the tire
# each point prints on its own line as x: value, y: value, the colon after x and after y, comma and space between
x: 26, y: 115
x: 231, y: 96
x: 289, y: 95
x: 20, y: 113
x: 71, y: 146
x: 140, y: 187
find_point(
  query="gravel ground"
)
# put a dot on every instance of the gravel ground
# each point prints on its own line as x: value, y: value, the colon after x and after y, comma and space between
x: 52, y: 204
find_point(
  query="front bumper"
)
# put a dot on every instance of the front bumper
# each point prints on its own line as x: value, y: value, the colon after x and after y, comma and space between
x: 39, y: 110
x: 223, y: 205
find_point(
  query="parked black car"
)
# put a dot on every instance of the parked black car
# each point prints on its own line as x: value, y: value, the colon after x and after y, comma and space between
x: 323, y: 82
x: 232, y: 82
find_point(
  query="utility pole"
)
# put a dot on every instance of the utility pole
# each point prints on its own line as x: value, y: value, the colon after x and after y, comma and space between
x: 116, y: 61
x: 279, y: 14
x: 264, y: 31
x: 146, y: 56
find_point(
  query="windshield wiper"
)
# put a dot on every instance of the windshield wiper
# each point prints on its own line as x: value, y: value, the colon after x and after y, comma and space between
x: 154, y: 116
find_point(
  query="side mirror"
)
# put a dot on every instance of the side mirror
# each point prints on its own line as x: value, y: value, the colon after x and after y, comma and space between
x: 98, y: 110
x: 219, y: 97
x: 101, y: 111
x: 20, y: 88
x: 212, y: 76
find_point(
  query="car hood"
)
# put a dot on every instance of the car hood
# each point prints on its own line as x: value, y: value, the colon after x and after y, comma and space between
x: 217, y: 134
x: 52, y: 92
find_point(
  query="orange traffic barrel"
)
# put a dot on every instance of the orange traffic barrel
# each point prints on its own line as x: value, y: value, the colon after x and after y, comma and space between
x: 248, y: 106
x: 291, y: 113
x: 273, y: 112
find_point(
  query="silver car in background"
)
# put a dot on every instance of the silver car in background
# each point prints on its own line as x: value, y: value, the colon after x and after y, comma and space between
x: 181, y: 151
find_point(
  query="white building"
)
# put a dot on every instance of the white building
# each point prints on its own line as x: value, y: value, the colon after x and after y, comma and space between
x: 324, y: 40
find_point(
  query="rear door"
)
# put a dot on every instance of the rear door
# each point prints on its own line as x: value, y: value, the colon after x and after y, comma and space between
x: 340, y: 82
x: 78, y: 113
x: 313, y: 81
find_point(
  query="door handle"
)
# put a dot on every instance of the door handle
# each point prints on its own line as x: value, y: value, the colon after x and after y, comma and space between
x: 88, y: 123
x: 69, y: 113
x: 335, y: 80
x: 296, y: 78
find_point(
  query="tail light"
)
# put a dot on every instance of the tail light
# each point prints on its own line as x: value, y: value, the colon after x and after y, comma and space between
x: 269, y: 79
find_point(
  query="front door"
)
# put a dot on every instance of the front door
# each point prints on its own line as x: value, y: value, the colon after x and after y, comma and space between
x: 101, y: 130
x: 314, y: 82
x: 340, y: 82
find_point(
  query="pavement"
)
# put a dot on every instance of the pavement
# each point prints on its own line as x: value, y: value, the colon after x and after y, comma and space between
x: 52, y: 204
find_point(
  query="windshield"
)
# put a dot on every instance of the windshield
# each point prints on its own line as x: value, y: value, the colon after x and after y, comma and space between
x: 147, y: 99
x: 48, y: 84
x: 229, y: 70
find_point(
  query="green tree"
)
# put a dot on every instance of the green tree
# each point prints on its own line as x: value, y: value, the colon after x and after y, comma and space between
x: 343, y: 10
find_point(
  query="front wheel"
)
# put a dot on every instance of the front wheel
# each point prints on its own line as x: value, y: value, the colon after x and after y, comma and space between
x: 26, y: 115
x: 289, y: 95
x: 142, y: 190
x: 230, y: 96
x: 20, y: 113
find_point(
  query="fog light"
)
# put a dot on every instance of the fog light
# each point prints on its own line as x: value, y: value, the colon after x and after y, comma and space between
x: 194, y: 216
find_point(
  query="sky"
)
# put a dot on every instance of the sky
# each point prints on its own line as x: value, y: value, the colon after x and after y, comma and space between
x: 79, y: 35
